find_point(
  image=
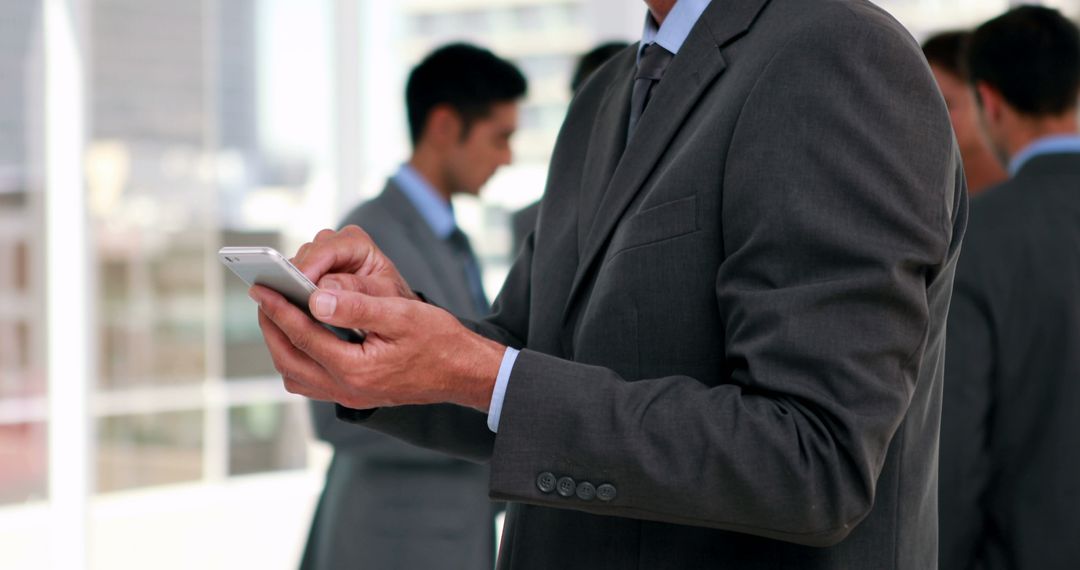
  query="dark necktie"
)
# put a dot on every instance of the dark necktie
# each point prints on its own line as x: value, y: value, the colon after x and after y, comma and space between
x: 467, y: 260
x: 650, y: 68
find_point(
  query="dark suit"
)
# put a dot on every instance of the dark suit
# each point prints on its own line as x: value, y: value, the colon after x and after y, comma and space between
x: 1010, y: 429
x: 522, y: 223
x: 388, y: 504
x: 735, y: 325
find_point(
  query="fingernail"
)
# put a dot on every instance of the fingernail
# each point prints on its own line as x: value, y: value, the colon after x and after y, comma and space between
x: 325, y: 304
x: 251, y: 294
x: 331, y: 284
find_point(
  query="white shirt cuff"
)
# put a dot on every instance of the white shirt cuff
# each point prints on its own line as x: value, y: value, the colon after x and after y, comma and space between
x: 499, y: 392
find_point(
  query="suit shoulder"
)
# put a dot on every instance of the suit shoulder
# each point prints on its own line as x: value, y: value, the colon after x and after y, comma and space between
x: 370, y: 212
x: 996, y: 209
x: 1012, y: 209
x: 837, y: 22
x: 1005, y: 222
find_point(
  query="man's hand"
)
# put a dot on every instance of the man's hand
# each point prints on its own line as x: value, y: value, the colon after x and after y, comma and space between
x: 348, y: 259
x: 414, y: 353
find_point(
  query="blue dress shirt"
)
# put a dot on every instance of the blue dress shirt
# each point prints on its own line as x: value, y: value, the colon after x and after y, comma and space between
x: 436, y: 210
x: 671, y: 36
x: 676, y: 28
x: 1047, y: 145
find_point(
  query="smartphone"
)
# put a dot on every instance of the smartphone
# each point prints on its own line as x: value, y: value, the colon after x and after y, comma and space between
x: 265, y: 266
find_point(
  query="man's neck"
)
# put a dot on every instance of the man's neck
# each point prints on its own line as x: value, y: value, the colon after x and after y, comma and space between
x: 660, y: 9
x: 1036, y: 128
x: 983, y: 168
x: 429, y: 167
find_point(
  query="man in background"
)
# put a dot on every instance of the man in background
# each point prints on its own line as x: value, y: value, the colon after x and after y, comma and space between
x: 946, y: 52
x: 1010, y: 472
x: 388, y: 504
x: 523, y: 221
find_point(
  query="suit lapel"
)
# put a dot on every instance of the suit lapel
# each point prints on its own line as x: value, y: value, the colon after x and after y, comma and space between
x: 693, y: 70
x: 433, y: 250
x: 607, y: 143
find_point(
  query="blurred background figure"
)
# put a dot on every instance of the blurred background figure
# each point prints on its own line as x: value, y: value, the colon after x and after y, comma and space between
x: 523, y: 221
x: 1010, y: 473
x: 388, y: 504
x: 946, y: 53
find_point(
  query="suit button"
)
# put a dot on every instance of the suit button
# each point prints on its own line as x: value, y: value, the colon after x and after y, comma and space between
x: 605, y: 492
x: 586, y: 491
x: 546, y: 482
x: 566, y: 487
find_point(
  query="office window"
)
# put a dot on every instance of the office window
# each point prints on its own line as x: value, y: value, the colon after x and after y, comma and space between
x: 266, y: 437
x: 149, y: 449
x: 207, y: 127
x: 22, y: 453
x: 23, y: 427
x: 216, y: 123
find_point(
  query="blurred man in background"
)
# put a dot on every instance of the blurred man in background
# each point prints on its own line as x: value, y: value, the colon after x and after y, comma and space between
x: 388, y: 504
x: 946, y: 52
x: 524, y: 221
x: 1010, y: 471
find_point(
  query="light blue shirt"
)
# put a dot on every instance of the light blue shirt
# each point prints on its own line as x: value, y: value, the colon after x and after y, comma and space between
x: 436, y: 211
x: 1047, y: 145
x: 671, y: 36
x: 676, y: 28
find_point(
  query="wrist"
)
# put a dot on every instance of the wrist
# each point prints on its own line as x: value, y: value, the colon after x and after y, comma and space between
x: 478, y: 368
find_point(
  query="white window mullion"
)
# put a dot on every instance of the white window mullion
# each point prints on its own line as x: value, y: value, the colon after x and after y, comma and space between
x: 68, y: 286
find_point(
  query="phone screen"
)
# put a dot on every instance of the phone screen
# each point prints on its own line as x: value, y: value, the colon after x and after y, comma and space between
x: 265, y: 266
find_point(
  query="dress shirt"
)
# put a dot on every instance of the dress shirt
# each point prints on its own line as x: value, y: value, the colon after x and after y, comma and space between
x: 1057, y: 144
x: 438, y: 213
x: 671, y: 36
x: 436, y: 210
x: 677, y: 26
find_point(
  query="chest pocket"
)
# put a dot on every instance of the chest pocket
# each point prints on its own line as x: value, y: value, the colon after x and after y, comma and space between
x: 657, y: 223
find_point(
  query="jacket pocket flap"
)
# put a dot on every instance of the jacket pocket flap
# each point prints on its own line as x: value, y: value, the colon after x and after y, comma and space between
x: 664, y: 221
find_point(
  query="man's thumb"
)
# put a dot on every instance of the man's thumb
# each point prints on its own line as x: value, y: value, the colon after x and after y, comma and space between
x: 348, y: 309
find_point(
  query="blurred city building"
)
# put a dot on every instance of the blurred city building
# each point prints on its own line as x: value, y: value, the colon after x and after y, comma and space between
x: 172, y: 150
x: 22, y: 349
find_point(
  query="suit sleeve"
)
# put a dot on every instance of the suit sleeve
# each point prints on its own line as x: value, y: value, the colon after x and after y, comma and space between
x: 965, y: 410
x: 455, y: 430
x: 837, y: 192
x: 437, y: 427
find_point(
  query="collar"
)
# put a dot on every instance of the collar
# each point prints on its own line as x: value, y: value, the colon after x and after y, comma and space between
x: 677, y: 26
x: 437, y: 212
x: 1057, y: 144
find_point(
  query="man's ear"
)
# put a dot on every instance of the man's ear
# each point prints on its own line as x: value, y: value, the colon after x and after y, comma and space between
x: 443, y: 125
x: 991, y: 103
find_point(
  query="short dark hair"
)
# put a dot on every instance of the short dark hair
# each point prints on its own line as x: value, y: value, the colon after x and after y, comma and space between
x: 592, y: 61
x: 1030, y: 54
x: 948, y: 50
x: 467, y: 78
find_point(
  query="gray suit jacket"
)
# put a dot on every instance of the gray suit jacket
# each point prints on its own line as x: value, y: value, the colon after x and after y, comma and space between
x: 522, y: 223
x: 733, y: 327
x: 1010, y: 429
x: 388, y: 504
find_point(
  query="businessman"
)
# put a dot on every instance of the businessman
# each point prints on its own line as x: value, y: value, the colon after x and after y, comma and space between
x: 1010, y: 473
x: 946, y: 52
x: 388, y: 504
x: 722, y: 346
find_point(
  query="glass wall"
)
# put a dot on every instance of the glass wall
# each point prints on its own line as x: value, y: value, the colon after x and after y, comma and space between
x: 180, y: 161
x: 23, y: 468
x: 230, y: 122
